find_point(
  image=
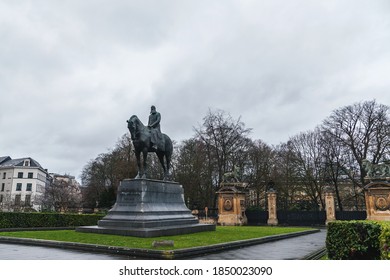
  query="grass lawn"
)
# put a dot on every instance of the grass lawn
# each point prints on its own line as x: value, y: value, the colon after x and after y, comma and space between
x: 221, y: 235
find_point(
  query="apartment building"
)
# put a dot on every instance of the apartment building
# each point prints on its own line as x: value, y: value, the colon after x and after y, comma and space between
x: 23, y: 182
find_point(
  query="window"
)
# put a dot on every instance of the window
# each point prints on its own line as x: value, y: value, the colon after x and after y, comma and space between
x: 26, y: 163
x: 19, y: 186
x: 29, y: 187
x: 30, y: 175
x: 17, y: 199
x: 1, y: 198
x: 4, y: 174
x: 20, y: 174
x: 2, y: 186
x: 27, y: 200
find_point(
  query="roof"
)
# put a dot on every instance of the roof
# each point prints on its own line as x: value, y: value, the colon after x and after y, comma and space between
x: 3, y: 159
x: 8, y: 162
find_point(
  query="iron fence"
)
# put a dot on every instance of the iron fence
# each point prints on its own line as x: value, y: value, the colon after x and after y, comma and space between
x: 301, y: 218
x: 256, y: 217
x: 351, y: 215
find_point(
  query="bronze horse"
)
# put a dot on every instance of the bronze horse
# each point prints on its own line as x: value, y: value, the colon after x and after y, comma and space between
x: 140, y: 136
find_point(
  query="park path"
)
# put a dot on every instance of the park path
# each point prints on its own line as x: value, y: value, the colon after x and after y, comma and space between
x: 287, y: 249
x: 291, y: 248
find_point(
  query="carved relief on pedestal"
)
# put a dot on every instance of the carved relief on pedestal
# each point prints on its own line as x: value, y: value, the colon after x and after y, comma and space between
x: 228, y: 204
x: 377, y: 196
x: 381, y: 203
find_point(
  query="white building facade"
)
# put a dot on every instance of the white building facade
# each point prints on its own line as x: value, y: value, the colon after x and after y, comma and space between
x: 23, y: 182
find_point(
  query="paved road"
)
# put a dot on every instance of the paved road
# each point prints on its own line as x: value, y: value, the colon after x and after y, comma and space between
x: 26, y: 252
x: 286, y: 249
x: 291, y: 248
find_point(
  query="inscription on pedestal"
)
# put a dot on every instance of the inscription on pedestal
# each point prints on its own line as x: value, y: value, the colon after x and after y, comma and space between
x: 128, y: 198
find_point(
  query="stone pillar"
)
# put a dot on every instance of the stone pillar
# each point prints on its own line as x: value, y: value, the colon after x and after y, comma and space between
x: 231, y: 204
x: 272, y: 216
x: 377, y: 194
x: 330, y: 206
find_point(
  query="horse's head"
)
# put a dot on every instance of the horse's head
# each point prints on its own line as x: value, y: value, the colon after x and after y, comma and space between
x: 132, y: 125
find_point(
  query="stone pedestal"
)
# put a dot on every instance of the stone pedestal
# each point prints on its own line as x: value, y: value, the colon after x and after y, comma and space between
x: 330, y: 207
x: 231, y: 204
x: 272, y: 215
x: 148, y: 208
x: 377, y: 194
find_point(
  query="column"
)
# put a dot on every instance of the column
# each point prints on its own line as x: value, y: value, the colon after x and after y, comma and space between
x: 272, y: 216
x: 330, y: 206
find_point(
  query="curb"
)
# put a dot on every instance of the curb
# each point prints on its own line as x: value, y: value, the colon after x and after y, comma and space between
x: 150, y: 253
x: 316, y: 255
x: 35, y: 229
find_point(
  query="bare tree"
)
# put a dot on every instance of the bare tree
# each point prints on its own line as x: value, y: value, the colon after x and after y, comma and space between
x: 101, y: 176
x: 309, y: 162
x: 259, y: 169
x: 62, y: 196
x: 7, y: 203
x: 336, y: 166
x: 193, y: 173
x: 223, y: 137
x: 363, y: 130
x: 351, y: 134
x: 286, y: 176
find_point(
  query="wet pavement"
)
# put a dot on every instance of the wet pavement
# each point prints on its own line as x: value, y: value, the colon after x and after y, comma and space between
x: 286, y: 249
x: 27, y: 252
x: 291, y: 248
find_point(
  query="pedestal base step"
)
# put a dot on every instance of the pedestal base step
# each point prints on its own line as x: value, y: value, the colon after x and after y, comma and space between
x: 148, y: 232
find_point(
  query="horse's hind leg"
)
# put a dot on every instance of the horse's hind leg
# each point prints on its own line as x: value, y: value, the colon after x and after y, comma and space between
x: 161, y: 159
x: 168, y: 167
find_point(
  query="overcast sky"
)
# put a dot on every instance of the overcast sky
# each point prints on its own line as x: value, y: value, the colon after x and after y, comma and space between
x: 73, y: 72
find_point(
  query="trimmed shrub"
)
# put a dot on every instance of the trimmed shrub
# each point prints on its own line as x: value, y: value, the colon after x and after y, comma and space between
x: 384, y: 241
x: 28, y: 220
x: 353, y: 240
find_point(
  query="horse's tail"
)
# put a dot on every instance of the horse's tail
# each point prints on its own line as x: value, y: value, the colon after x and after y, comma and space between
x: 168, y: 145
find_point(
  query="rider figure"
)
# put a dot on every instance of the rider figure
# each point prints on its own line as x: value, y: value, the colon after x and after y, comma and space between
x: 154, y: 126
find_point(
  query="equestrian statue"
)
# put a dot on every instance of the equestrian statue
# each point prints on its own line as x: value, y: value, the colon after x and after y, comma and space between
x: 376, y: 171
x: 150, y: 139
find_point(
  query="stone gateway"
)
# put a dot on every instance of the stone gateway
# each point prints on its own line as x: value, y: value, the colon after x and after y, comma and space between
x: 231, y: 204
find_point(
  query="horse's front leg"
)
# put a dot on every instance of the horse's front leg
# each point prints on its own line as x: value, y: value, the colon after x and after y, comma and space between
x: 145, y: 168
x: 138, y: 156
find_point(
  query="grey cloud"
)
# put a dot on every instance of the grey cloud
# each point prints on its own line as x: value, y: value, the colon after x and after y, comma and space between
x: 72, y: 72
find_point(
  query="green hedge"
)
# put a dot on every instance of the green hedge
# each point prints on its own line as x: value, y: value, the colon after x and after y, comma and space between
x: 384, y: 241
x: 358, y: 240
x: 28, y: 220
